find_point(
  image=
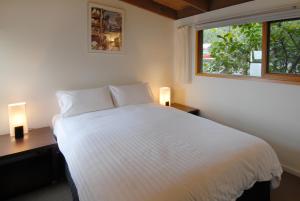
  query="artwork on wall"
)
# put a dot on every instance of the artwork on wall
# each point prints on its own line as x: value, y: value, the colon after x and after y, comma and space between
x: 106, y: 29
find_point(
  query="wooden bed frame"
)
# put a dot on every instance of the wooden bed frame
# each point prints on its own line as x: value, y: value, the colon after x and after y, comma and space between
x: 259, y: 192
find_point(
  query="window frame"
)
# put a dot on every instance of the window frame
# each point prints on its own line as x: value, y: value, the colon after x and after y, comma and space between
x: 266, y: 39
x: 265, y: 75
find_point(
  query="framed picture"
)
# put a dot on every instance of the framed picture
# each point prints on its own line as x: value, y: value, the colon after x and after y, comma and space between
x: 105, y: 29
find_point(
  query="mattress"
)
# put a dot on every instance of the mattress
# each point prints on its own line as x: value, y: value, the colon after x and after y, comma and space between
x: 149, y: 152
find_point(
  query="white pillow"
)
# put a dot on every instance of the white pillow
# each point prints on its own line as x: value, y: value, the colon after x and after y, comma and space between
x: 81, y: 101
x: 131, y: 94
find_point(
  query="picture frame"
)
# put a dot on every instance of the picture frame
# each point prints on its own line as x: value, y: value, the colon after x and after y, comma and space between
x: 105, y: 29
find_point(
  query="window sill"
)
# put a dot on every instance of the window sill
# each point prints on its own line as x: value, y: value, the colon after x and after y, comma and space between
x: 274, y: 78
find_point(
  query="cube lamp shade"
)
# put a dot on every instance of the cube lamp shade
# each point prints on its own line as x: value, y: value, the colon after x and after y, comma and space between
x: 165, y: 96
x: 17, y: 117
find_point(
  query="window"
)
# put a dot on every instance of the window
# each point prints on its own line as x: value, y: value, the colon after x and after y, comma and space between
x: 233, y: 50
x: 269, y: 50
x: 284, y: 47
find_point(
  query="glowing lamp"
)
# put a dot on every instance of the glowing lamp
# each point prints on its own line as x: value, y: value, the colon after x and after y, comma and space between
x: 17, y: 119
x: 165, y: 96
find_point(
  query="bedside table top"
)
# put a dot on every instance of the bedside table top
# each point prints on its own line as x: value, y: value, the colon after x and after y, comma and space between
x: 184, y: 107
x: 36, y: 138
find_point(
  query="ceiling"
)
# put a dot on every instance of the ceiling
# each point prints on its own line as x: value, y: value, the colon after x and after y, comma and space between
x: 177, y: 9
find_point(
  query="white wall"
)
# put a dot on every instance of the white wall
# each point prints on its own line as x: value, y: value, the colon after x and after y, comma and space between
x: 43, y: 48
x: 268, y: 110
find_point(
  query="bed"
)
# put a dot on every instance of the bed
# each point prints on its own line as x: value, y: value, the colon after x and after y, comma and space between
x: 147, y: 152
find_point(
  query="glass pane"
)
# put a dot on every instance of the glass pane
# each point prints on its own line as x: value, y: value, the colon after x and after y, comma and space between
x: 233, y: 50
x: 284, y: 48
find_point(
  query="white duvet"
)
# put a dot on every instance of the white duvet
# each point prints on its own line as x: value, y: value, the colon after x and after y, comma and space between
x: 154, y: 153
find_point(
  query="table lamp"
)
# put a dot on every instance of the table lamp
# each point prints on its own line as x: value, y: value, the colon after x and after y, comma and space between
x: 17, y: 119
x: 165, y: 96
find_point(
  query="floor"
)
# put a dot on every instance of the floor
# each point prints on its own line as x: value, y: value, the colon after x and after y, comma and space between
x: 56, y: 192
x: 289, y: 190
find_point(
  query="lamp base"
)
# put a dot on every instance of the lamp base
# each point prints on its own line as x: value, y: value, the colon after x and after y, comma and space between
x: 19, y: 132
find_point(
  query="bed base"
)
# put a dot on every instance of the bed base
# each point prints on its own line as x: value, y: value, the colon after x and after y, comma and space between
x: 71, y: 184
x: 259, y: 192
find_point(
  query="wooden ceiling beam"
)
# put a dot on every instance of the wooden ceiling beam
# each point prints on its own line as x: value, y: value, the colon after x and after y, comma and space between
x: 201, y: 5
x: 217, y: 4
x: 154, y: 7
x: 187, y: 12
x: 194, y: 7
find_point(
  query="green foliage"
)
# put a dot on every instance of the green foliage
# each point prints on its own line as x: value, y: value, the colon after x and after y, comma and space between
x: 285, y: 47
x: 213, y: 34
x: 231, y: 48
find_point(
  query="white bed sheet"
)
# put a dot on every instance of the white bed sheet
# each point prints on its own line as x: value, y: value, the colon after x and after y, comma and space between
x: 152, y: 153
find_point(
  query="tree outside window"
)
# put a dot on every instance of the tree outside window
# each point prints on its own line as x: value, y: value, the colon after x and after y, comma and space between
x: 240, y: 50
x: 284, y: 47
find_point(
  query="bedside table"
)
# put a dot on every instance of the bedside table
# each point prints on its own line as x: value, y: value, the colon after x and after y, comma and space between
x: 28, y: 163
x: 186, y: 108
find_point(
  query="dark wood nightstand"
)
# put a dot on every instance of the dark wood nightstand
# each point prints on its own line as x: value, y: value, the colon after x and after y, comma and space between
x: 187, y: 109
x: 27, y: 163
